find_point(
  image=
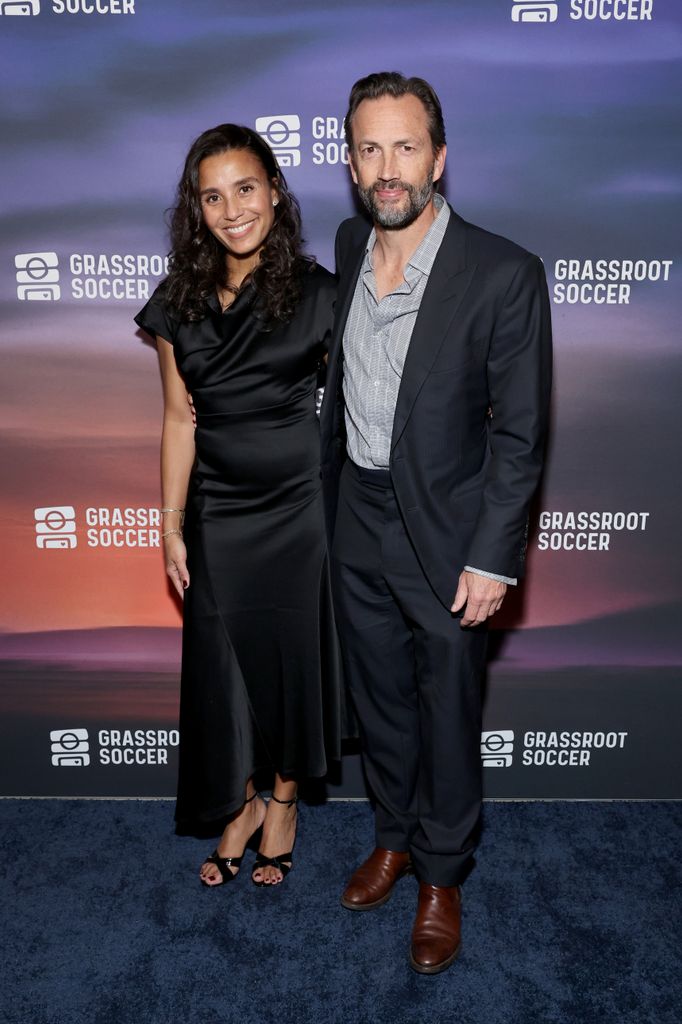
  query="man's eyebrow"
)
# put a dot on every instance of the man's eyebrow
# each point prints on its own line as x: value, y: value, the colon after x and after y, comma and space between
x: 398, y: 142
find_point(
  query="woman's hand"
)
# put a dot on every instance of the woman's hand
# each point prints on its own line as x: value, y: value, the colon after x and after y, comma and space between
x: 176, y: 562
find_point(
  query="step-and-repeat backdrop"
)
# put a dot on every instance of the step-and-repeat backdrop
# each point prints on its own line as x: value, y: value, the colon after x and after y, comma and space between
x: 563, y: 126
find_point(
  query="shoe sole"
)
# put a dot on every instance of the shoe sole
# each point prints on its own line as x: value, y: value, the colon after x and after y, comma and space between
x: 380, y: 902
x: 434, y: 968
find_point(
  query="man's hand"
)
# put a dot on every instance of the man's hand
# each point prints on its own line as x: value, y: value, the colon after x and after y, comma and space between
x: 190, y: 402
x: 482, y: 597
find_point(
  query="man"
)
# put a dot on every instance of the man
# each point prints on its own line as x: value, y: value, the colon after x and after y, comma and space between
x: 432, y: 425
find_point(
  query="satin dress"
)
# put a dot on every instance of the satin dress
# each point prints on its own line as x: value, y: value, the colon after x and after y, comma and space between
x: 260, y: 680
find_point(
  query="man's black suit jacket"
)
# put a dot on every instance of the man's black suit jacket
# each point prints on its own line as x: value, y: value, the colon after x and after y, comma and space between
x: 482, y: 340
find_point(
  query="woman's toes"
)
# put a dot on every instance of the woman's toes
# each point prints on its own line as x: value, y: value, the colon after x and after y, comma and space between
x: 210, y: 875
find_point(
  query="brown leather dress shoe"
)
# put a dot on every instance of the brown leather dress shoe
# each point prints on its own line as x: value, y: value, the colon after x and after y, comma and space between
x: 372, y: 883
x: 436, y: 936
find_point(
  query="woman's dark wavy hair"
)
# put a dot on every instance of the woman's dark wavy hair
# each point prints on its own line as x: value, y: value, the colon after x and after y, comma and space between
x: 198, y: 264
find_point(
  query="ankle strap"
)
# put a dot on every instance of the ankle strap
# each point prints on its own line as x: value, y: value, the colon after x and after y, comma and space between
x: 286, y: 803
x: 252, y: 797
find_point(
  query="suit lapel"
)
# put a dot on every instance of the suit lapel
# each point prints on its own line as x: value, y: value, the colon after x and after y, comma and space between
x: 344, y: 298
x: 448, y: 281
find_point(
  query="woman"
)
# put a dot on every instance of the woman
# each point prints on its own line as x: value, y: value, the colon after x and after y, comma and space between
x: 241, y: 322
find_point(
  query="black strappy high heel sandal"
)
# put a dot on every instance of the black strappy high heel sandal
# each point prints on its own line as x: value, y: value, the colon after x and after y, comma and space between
x: 225, y: 863
x: 262, y: 861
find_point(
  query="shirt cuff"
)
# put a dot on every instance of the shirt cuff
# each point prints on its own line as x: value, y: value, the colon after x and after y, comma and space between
x: 491, y: 575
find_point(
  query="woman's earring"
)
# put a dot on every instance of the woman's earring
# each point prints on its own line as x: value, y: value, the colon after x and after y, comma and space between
x: 275, y: 201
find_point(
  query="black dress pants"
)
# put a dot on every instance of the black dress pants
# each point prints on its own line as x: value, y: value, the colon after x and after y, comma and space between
x: 415, y: 677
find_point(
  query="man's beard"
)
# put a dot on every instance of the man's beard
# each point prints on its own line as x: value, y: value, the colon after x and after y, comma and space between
x: 397, y: 216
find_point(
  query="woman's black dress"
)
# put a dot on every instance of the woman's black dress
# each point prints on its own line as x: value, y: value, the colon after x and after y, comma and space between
x: 260, y: 668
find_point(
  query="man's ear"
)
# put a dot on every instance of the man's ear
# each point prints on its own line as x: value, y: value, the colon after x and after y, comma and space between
x: 351, y: 164
x: 439, y: 163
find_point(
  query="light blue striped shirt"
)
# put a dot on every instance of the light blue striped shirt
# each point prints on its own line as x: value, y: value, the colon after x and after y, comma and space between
x: 375, y: 344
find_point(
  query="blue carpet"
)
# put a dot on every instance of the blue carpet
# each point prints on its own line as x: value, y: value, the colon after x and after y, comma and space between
x: 572, y: 915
